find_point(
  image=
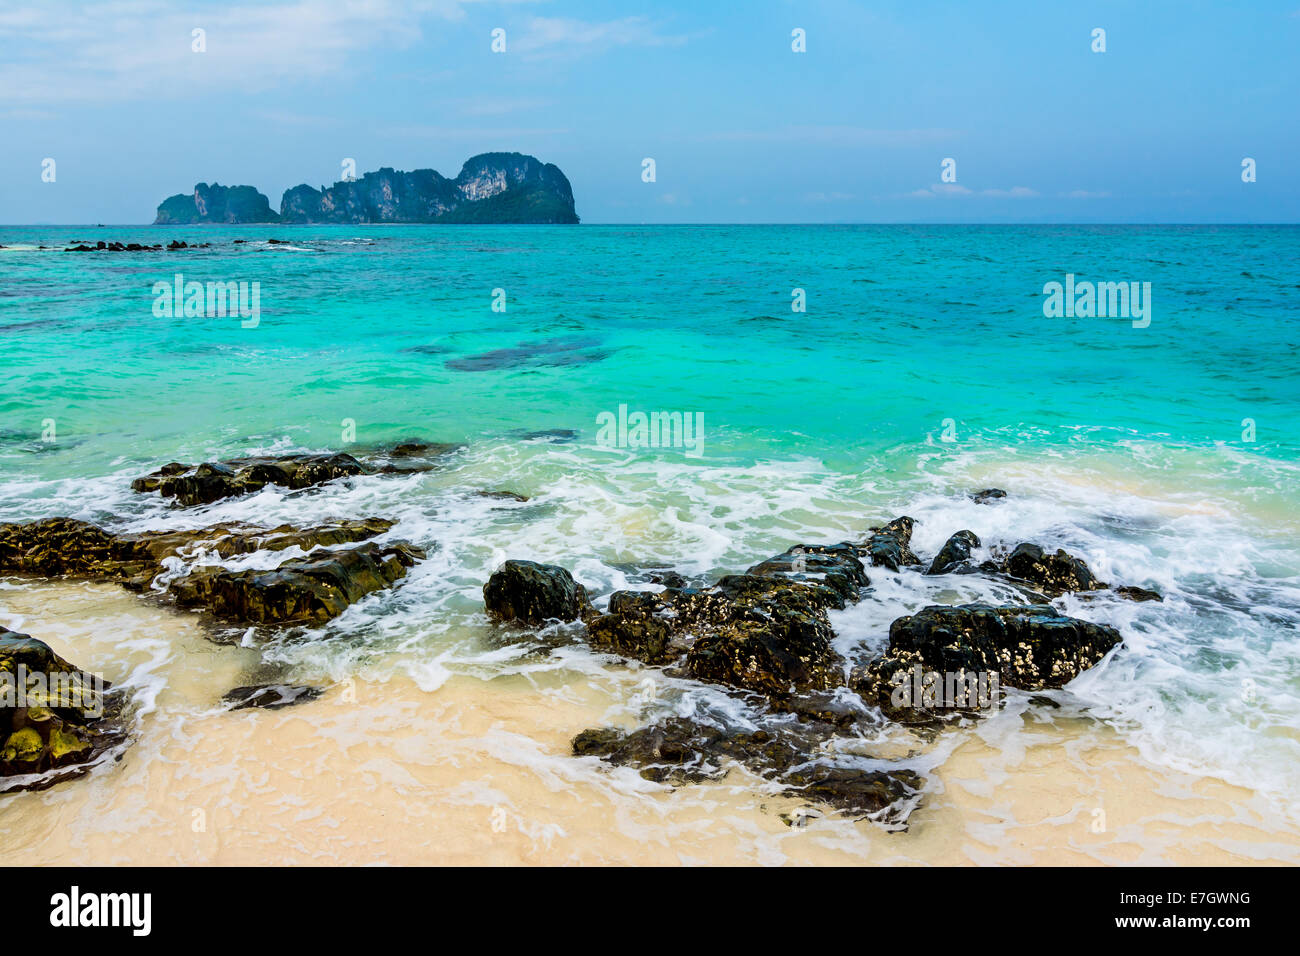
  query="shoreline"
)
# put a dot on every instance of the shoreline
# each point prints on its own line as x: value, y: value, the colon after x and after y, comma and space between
x: 406, y: 775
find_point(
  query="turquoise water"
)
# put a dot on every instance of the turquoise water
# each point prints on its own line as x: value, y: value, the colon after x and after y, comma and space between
x: 1123, y: 444
x: 905, y: 327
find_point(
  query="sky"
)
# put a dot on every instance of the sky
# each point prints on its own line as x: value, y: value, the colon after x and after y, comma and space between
x: 741, y: 127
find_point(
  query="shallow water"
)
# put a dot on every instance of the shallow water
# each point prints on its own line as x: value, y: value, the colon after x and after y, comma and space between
x: 1123, y: 445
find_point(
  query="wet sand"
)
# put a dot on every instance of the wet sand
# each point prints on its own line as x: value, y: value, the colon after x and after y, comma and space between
x: 478, y: 771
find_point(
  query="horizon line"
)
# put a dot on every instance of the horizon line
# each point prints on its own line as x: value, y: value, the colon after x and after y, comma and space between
x: 494, y: 225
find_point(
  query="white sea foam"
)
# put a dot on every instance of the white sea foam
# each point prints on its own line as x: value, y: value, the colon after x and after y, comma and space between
x: 1207, y: 682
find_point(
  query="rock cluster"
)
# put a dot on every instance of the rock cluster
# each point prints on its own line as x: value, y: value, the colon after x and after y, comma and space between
x: 101, y: 246
x: 766, y: 635
x: 211, y: 481
x: 306, y: 590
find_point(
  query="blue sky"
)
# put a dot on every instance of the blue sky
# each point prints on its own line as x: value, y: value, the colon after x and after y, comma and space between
x: 742, y: 129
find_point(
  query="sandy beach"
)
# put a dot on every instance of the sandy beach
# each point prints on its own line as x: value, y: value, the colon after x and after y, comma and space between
x: 477, y: 771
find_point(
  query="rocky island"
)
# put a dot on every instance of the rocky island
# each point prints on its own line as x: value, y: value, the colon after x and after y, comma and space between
x: 215, y: 204
x: 491, y: 188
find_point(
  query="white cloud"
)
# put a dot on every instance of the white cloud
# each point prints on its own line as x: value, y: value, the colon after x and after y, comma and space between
x: 957, y: 191
x: 561, y: 35
x: 1086, y: 194
x: 1015, y: 192
x: 130, y: 49
x: 940, y: 190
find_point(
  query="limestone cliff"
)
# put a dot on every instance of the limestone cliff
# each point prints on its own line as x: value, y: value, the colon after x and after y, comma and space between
x: 215, y: 203
x: 491, y: 188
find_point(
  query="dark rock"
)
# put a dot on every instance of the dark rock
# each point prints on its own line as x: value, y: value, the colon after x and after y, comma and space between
x: 525, y: 592
x: 632, y: 628
x: 1138, y: 594
x: 1031, y: 647
x: 888, y: 546
x: 660, y: 574
x: 679, y: 751
x: 885, y: 796
x: 669, y: 579
x: 501, y: 495
x: 954, y: 556
x: 213, y: 481
x: 55, y: 719
x: 309, y: 590
x: 66, y: 546
x: 1053, y: 574
x: 835, y: 566
x: 782, y: 648
x: 270, y: 696
x: 422, y: 449
x: 987, y: 495
x: 828, y: 707
x: 555, y: 435
x: 765, y: 630
x: 767, y: 633
x: 61, y: 546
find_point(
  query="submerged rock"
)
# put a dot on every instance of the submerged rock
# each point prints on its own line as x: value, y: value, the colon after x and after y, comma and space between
x: 635, y: 628
x: 988, y: 495
x: 765, y: 630
x: 765, y: 634
x: 53, y: 716
x: 501, y: 495
x: 525, y: 592
x: 313, y: 588
x: 422, y: 449
x: 214, y: 480
x: 1053, y: 574
x: 888, y: 546
x: 834, y: 566
x: 1138, y: 594
x: 61, y: 546
x: 309, y: 590
x: 954, y: 556
x: 681, y: 751
x: 67, y: 546
x: 270, y: 696
x: 668, y: 579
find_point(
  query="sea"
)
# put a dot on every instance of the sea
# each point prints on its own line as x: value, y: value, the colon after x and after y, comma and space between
x: 831, y: 378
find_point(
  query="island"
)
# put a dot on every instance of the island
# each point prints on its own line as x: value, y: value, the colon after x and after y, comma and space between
x: 491, y: 188
x: 216, y: 204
